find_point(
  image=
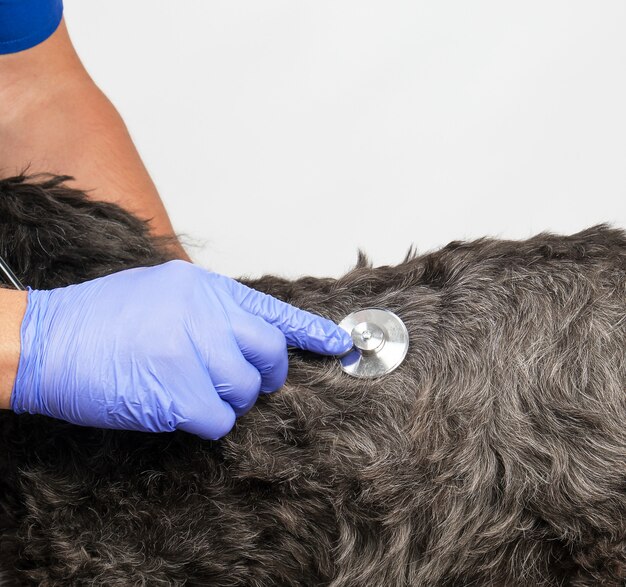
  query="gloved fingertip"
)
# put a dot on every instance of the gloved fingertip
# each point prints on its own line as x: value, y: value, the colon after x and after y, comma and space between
x: 220, y: 428
x: 269, y: 391
x: 341, y: 343
x: 335, y: 342
x: 213, y: 424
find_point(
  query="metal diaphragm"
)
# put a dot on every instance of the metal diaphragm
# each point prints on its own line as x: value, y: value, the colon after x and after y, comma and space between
x: 381, y: 342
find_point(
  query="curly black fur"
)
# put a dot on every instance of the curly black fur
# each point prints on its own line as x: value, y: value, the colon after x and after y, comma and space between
x: 495, y: 455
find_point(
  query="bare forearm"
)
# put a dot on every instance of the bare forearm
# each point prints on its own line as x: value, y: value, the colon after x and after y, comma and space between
x: 55, y: 119
x: 12, y: 307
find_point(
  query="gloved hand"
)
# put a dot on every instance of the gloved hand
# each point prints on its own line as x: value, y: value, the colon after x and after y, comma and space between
x: 158, y: 349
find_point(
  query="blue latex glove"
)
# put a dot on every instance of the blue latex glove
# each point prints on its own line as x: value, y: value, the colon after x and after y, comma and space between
x: 158, y: 349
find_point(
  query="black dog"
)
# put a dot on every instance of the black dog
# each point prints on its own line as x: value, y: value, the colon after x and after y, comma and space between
x: 494, y: 456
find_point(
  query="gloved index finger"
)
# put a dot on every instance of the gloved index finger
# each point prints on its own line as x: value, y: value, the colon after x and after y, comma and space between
x: 301, y: 328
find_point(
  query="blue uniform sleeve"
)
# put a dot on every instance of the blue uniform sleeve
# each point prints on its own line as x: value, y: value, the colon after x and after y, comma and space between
x: 26, y: 23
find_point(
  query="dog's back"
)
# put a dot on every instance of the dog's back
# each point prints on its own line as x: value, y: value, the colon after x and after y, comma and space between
x: 495, y: 455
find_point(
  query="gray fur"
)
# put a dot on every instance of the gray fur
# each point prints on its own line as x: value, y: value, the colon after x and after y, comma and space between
x: 495, y: 455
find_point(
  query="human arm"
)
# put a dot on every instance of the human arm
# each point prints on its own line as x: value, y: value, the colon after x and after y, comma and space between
x: 153, y: 349
x: 55, y: 119
x: 12, y: 308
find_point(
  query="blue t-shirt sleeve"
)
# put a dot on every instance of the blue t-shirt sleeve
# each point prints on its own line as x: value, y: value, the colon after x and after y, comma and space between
x: 26, y: 23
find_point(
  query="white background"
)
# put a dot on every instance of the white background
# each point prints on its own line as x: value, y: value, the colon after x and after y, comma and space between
x: 282, y: 135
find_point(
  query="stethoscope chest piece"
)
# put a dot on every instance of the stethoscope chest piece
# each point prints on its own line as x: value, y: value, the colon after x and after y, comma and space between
x: 381, y: 342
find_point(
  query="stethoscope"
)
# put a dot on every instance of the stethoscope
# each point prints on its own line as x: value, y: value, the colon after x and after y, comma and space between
x: 8, y: 276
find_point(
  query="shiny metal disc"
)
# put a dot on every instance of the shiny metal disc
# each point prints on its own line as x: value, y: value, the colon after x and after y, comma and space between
x: 381, y: 342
